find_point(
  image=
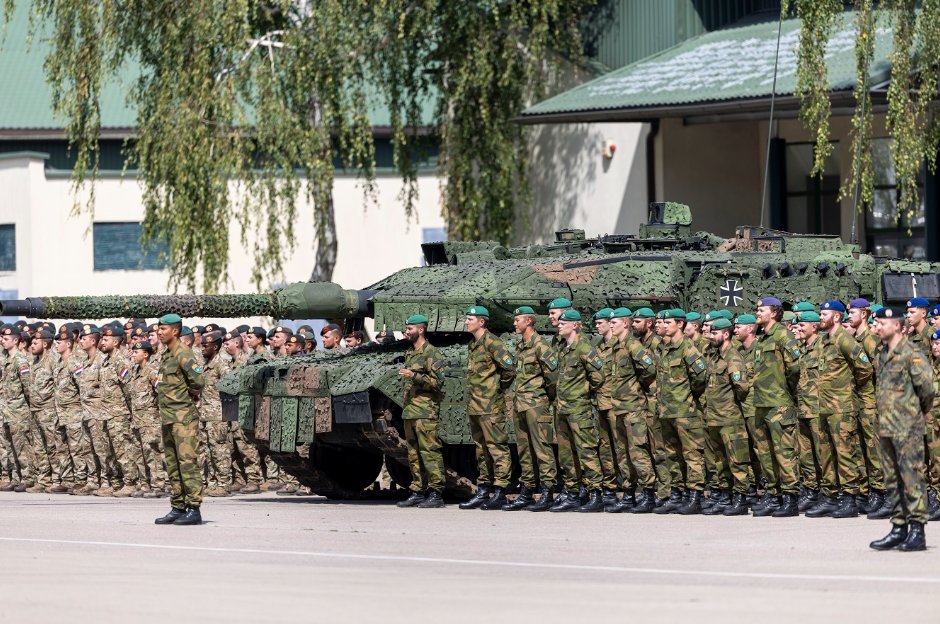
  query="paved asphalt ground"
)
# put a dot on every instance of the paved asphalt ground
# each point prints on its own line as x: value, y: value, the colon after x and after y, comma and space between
x: 277, y: 559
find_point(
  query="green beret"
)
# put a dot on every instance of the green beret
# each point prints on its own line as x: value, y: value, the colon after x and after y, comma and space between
x: 644, y: 313
x: 675, y: 313
x: 721, y: 323
x: 478, y: 311
x: 810, y: 316
x: 746, y: 319
x: 789, y: 317
x: 693, y: 316
x: 804, y: 306
x: 186, y: 331
x: 416, y: 319
x: 524, y: 311
x: 621, y: 313
x: 717, y: 314
x: 603, y: 314
x: 570, y: 315
x: 171, y: 319
x: 560, y: 302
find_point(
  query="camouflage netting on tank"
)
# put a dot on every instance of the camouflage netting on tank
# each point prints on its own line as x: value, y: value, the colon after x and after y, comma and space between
x: 154, y: 306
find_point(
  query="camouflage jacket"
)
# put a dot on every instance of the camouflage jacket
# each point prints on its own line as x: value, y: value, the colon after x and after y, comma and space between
x: 701, y: 343
x: 114, y: 374
x: 651, y: 344
x: 904, y: 390
x: 728, y: 386
x: 776, y: 368
x: 42, y: 383
x: 843, y: 367
x: 605, y: 349
x: 425, y: 391
x: 747, y: 354
x: 632, y: 369
x: 491, y: 369
x: 580, y: 375
x: 260, y: 358
x: 869, y: 343
x: 536, y: 374
x: 210, y: 403
x: 142, y: 389
x: 66, y: 388
x: 921, y: 340
x: 15, y: 382
x: 936, y: 384
x: 808, y: 386
x: 180, y: 380
x: 681, y: 379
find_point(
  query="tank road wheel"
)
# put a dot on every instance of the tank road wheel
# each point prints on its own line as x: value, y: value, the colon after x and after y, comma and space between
x: 351, y: 469
x: 399, y: 472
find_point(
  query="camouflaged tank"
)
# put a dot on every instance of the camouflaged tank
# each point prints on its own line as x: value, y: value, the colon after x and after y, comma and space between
x: 332, y: 418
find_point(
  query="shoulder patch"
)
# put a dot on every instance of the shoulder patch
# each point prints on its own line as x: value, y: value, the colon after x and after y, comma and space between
x: 700, y: 364
x: 863, y: 357
x: 507, y: 359
x: 196, y: 368
x: 647, y: 359
x: 736, y: 376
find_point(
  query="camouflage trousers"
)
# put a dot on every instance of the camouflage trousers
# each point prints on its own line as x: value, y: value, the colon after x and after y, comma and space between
x: 22, y: 443
x: 535, y: 432
x: 903, y: 459
x: 867, y: 424
x: 932, y: 452
x: 50, y: 448
x: 150, y: 468
x: 425, y: 455
x: 684, y: 440
x: 843, y: 432
x: 491, y: 437
x: 113, y: 444
x: 247, y: 460
x: 79, y: 444
x: 775, y: 433
x: 577, y: 442
x: 825, y: 476
x: 750, y: 423
x: 612, y: 451
x: 668, y: 471
x: 732, y: 457
x: 7, y: 466
x: 215, y: 452
x: 639, y: 454
x: 181, y: 444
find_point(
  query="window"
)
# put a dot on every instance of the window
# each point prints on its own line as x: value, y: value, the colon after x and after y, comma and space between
x: 812, y: 203
x: 886, y: 230
x: 117, y: 247
x: 7, y: 247
x: 432, y: 235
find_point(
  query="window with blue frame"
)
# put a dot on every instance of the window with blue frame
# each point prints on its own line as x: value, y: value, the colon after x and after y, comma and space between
x: 117, y: 247
x: 7, y: 247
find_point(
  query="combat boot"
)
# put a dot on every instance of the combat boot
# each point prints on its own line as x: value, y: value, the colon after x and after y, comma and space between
x: 916, y: 540
x: 672, y: 503
x: 893, y: 539
x: 496, y: 502
x: 882, y: 513
x: 125, y: 491
x: 7, y: 486
x: 582, y: 494
x: 105, y: 490
x: 483, y: 493
x: 174, y: 515
x: 545, y: 500
x: 289, y: 489
x: 609, y: 497
x: 22, y: 487
x: 807, y: 499
x: 752, y: 495
x: 861, y: 503
x: 826, y: 506
x: 768, y: 505
x: 848, y: 507
x: 624, y: 505
x: 411, y: 501
x: 433, y: 501
x: 595, y: 503
x: 250, y: 488
x: 935, y: 514
x: 932, y: 502
x: 522, y: 501
x: 738, y: 506
x: 566, y: 502
x: 645, y: 502
x: 219, y: 492
x: 692, y: 506
x: 190, y: 518
x: 36, y: 489
x: 788, y: 507
x: 763, y: 501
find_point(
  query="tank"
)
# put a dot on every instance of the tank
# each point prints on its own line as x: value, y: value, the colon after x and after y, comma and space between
x: 332, y: 419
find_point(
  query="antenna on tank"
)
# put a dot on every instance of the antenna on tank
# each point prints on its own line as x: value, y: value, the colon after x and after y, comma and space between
x: 770, y: 125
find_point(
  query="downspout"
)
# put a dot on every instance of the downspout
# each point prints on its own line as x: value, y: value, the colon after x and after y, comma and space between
x: 651, y: 161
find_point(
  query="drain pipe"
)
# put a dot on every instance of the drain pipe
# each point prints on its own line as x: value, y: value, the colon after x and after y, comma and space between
x: 651, y: 162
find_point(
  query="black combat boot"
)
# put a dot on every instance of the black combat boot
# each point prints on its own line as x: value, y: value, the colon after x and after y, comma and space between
x: 624, y: 505
x: 934, y: 515
x: 788, y: 507
x: 496, y: 502
x: 522, y: 501
x: 582, y: 494
x: 824, y: 508
x: 932, y: 502
x: 751, y: 496
x: 848, y: 507
x: 861, y: 503
x: 190, y: 518
x: 893, y: 539
x: 807, y: 499
x: 545, y: 500
x: 482, y: 495
x: 738, y: 506
x: 672, y: 503
x: 433, y: 501
x: 883, y: 512
x: 916, y: 540
x: 645, y: 502
x: 566, y: 502
x: 720, y: 501
x: 595, y: 503
x: 768, y: 505
x: 412, y: 501
x: 693, y: 505
x: 171, y: 517
x: 609, y: 497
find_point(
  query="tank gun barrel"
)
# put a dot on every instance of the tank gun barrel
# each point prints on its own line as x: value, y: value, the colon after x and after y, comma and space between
x: 300, y: 300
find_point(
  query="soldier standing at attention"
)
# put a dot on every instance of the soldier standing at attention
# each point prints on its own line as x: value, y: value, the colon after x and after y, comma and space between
x: 918, y: 331
x: 423, y: 376
x: 491, y: 371
x: 666, y: 472
x: 113, y: 429
x: 245, y: 451
x: 49, y: 446
x: 745, y: 331
x: 693, y: 331
x: 216, y: 444
x: 612, y: 449
x: 580, y: 375
x: 905, y: 393
x: 68, y: 407
x: 143, y: 392
x: 776, y: 375
x: 15, y: 385
x: 536, y: 375
x: 332, y: 337
x: 932, y: 459
x: 179, y: 383
x: 556, y: 308
x: 255, y: 340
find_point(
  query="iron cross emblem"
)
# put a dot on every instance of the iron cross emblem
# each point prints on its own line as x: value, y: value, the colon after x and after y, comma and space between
x: 731, y: 294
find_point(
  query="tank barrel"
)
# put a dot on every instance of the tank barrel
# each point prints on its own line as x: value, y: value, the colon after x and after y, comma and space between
x: 301, y: 300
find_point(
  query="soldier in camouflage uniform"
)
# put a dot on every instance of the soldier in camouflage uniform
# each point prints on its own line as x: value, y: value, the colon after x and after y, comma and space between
x: 533, y: 387
x: 919, y: 331
x: 932, y: 456
x: 612, y: 450
x: 491, y: 371
x: 142, y: 389
x: 49, y: 445
x: 68, y: 405
x: 632, y: 371
x: 694, y: 323
x: 745, y: 332
x: 216, y: 448
x: 905, y: 394
x: 776, y: 375
x: 667, y: 472
x: 246, y: 452
x: 580, y: 375
x: 423, y: 375
x: 681, y: 379
x: 179, y: 383
x: 16, y: 414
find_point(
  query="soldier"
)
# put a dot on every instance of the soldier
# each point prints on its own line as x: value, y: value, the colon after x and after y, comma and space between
x: 49, y: 445
x: 918, y: 331
x: 666, y: 472
x: 331, y: 335
x: 15, y: 386
x: 491, y: 371
x: 68, y: 405
x: 580, y: 375
x: 556, y: 308
x: 632, y: 371
x: 776, y: 375
x: 533, y: 388
x: 232, y: 344
x: 353, y: 339
x: 180, y: 380
x: 681, y: 380
x: 905, y: 393
x: 111, y: 433
x: 423, y: 376
x: 246, y: 455
x: 933, y: 437
x: 215, y: 433
x: 728, y: 386
x: 278, y: 339
x: 142, y: 389
x: 255, y: 340
x: 693, y: 331
x: 612, y: 449
x: 293, y: 345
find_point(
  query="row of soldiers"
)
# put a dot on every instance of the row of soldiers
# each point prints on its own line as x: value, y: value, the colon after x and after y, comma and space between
x: 79, y: 407
x: 668, y: 406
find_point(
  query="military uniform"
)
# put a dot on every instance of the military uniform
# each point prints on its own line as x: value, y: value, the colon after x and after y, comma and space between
x: 867, y: 416
x: 728, y: 386
x: 580, y: 374
x: 632, y: 371
x: 68, y: 407
x: 421, y: 415
x: 146, y: 422
x: 667, y: 472
x: 216, y: 448
x: 16, y: 415
x: 245, y: 452
x: 612, y: 447
x: 817, y: 462
x: 491, y: 369
x: 49, y: 445
x: 110, y: 425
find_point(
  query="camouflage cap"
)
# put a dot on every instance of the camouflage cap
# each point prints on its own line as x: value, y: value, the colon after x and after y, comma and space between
x: 523, y: 311
x: 721, y: 323
x: 810, y: 316
x: 570, y: 315
x: 416, y: 319
x: 746, y: 319
x: 833, y: 305
x: 212, y: 338
x: 692, y: 317
x: 170, y: 319
x: 621, y: 313
x: 478, y: 311
x: 804, y: 306
x: 603, y: 314
x: 142, y: 345
x: 918, y: 302
x: 559, y: 303
x: 889, y: 313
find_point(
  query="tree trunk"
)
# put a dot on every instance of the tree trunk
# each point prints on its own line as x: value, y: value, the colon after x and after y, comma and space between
x: 325, y: 222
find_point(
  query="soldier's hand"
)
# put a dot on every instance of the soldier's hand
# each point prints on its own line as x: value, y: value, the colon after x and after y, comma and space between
x: 406, y: 373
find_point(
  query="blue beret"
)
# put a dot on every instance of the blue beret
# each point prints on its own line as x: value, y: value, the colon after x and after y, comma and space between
x: 570, y: 315
x: 416, y: 319
x: 478, y: 311
x: 861, y: 302
x: 769, y: 301
x: 560, y: 302
x: 918, y: 302
x: 833, y: 305
x: 170, y: 319
x: 935, y: 335
x: 935, y: 311
x: 603, y: 314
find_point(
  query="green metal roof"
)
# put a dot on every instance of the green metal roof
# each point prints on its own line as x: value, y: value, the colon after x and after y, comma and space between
x: 732, y: 65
